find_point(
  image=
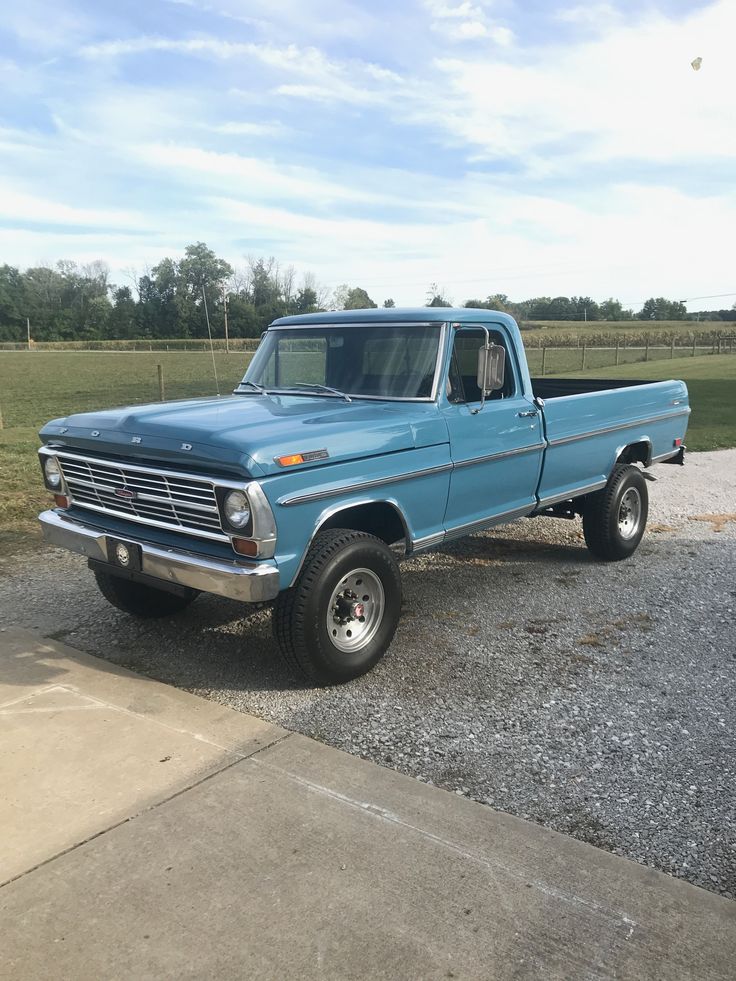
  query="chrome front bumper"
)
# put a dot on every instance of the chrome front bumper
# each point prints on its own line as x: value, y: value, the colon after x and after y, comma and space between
x: 252, y: 582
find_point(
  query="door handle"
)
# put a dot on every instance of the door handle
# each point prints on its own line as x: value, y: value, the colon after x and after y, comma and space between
x: 531, y: 412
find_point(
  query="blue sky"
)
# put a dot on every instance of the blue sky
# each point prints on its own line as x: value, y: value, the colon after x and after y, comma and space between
x: 526, y: 148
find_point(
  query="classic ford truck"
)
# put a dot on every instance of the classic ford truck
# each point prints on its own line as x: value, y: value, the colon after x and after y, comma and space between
x: 354, y: 438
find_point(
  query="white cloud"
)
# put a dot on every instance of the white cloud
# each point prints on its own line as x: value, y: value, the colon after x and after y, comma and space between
x: 18, y: 205
x: 630, y: 94
x: 466, y: 22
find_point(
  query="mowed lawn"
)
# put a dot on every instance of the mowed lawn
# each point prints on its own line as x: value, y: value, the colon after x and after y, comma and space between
x: 36, y: 386
x: 711, y: 383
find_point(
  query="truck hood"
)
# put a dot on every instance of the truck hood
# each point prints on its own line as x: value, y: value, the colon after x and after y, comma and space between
x: 244, y: 433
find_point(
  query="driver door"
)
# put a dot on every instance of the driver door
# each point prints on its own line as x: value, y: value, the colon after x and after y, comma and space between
x: 496, y: 449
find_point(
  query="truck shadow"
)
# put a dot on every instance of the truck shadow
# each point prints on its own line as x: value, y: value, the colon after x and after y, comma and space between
x: 504, y: 550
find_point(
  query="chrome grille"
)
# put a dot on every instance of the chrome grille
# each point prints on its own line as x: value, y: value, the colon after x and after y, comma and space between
x: 156, y: 497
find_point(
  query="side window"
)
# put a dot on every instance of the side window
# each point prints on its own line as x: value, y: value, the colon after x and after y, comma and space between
x: 462, y: 381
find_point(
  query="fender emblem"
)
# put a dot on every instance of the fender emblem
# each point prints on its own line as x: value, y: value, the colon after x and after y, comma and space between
x: 127, y: 495
x: 135, y: 439
x: 95, y: 432
x: 186, y: 446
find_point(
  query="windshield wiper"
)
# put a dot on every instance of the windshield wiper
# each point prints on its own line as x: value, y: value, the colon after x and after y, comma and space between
x: 256, y: 388
x: 309, y: 386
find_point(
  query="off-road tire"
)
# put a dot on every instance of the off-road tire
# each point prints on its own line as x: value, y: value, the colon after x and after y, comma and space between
x: 602, y: 515
x: 141, y: 600
x: 300, y: 613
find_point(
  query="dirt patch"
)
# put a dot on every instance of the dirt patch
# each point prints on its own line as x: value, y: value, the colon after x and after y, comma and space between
x: 717, y: 521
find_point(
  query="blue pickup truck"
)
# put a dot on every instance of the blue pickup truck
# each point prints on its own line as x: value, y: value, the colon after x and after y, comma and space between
x: 355, y: 437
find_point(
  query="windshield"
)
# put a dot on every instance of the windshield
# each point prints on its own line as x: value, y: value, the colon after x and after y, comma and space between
x: 359, y: 360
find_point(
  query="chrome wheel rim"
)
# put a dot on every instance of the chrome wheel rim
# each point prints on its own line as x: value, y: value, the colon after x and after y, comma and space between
x: 355, y: 610
x: 629, y: 514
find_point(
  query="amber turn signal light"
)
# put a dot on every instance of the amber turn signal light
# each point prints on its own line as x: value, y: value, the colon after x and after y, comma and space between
x: 244, y: 546
x: 291, y: 460
x: 62, y: 501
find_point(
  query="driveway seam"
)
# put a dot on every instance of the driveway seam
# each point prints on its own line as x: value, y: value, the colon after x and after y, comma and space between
x: 145, y: 810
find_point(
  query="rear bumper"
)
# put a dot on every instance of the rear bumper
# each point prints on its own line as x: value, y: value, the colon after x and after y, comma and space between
x: 253, y: 582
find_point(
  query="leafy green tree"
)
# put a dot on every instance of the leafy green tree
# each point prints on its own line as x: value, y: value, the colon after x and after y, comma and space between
x: 122, y: 323
x: 611, y: 309
x: 660, y: 308
x: 12, y: 321
x: 436, y: 297
x: 388, y: 304
x: 355, y: 298
x: 305, y: 301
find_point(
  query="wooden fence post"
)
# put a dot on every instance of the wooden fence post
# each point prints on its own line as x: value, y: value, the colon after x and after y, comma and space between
x: 1, y: 417
x: 160, y: 371
x: 672, y: 349
x: 646, y: 349
x: 617, y: 343
x: 583, y: 364
x: 544, y: 358
x: 695, y: 337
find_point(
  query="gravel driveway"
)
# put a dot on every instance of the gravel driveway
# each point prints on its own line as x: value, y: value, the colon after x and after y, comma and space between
x: 595, y: 699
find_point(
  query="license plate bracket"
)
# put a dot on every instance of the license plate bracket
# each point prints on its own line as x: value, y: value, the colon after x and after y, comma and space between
x: 124, y: 555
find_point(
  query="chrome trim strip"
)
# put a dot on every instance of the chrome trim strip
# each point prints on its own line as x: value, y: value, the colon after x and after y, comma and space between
x: 619, y: 425
x: 501, y: 517
x: 264, y: 523
x: 249, y: 582
x: 288, y: 502
x: 501, y: 455
x: 440, y: 362
x: 545, y: 502
x: 317, y: 325
x: 427, y: 541
x: 459, y: 531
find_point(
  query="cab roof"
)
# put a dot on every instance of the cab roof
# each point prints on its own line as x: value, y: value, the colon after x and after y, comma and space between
x: 401, y: 315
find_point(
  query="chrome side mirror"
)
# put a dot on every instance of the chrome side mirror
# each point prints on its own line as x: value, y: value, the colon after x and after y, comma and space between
x: 491, y: 368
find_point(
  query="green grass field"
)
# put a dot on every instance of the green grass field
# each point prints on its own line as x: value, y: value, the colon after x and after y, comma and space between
x: 37, y: 386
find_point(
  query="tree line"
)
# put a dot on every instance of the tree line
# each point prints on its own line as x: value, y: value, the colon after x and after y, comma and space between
x: 175, y: 297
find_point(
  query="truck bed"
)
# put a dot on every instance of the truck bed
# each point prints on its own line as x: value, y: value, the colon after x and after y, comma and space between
x: 588, y: 422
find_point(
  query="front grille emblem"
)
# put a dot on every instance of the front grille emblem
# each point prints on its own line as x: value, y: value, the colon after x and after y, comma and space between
x: 127, y: 495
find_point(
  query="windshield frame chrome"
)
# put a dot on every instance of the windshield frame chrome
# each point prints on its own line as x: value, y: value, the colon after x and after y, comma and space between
x: 439, y: 362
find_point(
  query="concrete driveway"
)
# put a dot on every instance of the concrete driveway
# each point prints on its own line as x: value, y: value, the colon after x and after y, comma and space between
x: 149, y: 833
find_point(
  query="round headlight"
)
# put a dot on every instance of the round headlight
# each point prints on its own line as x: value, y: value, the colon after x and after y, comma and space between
x: 237, y: 511
x: 52, y: 471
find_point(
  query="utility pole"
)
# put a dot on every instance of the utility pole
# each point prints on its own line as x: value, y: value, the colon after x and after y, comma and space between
x: 224, y: 303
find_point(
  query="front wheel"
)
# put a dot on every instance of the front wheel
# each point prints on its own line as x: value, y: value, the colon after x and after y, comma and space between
x: 614, y: 518
x: 337, y: 621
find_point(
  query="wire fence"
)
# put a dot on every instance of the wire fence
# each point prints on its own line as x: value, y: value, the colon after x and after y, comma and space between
x: 553, y: 359
x: 235, y: 345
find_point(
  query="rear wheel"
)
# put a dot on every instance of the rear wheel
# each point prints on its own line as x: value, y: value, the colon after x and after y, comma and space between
x: 338, y: 619
x: 141, y: 600
x: 614, y: 518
